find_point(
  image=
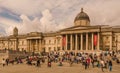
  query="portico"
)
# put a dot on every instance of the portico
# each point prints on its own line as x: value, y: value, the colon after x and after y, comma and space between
x: 82, y: 41
x: 34, y: 44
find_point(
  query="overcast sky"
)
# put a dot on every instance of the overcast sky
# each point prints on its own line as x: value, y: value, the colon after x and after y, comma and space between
x: 52, y: 15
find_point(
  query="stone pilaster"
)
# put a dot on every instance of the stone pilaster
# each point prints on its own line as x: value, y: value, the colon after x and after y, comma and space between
x: 14, y: 43
x: 110, y: 42
x: 8, y: 45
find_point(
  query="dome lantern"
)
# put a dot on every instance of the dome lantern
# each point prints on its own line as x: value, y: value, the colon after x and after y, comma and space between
x: 81, y: 9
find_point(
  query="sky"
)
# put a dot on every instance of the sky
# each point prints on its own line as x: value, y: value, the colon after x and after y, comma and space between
x: 52, y: 15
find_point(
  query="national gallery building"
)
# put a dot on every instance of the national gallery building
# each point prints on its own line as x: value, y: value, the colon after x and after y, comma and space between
x: 82, y: 37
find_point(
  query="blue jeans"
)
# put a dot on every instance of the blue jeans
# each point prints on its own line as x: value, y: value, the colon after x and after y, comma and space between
x: 110, y: 68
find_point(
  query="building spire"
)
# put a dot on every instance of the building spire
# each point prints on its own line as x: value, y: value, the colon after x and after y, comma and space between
x: 81, y: 9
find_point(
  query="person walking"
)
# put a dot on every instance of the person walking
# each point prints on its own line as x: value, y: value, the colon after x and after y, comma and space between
x: 92, y: 61
x: 110, y: 65
x: 102, y: 65
x: 60, y: 62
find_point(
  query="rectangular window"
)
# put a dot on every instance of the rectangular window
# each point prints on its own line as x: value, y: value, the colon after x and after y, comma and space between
x: 49, y: 41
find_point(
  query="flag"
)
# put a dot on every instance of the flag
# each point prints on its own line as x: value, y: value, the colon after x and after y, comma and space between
x: 63, y: 41
x: 95, y: 40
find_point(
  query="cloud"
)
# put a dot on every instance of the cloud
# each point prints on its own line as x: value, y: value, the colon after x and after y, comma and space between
x: 28, y: 25
x: 44, y: 24
x: 104, y: 12
x: 47, y: 21
x: 6, y: 24
x: 27, y: 7
x: 44, y: 15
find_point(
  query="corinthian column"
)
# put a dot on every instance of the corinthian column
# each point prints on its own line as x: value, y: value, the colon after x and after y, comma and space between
x: 98, y: 42
x: 40, y: 48
x: 37, y: 47
x: 81, y: 46
x: 66, y: 47
x: 30, y: 46
x: 76, y: 42
x: 92, y: 42
x: 86, y: 41
x: 71, y: 41
x: 27, y: 46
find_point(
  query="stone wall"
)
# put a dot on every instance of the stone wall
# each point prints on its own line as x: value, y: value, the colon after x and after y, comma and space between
x: 12, y: 55
x: 3, y: 55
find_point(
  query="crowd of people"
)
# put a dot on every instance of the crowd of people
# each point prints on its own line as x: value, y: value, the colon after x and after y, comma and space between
x: 102, y: 61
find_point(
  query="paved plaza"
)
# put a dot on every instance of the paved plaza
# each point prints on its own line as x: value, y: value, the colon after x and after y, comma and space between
x: 76, y: 68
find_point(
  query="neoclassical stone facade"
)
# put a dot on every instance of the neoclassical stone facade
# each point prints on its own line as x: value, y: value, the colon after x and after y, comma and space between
x: 82, y: 37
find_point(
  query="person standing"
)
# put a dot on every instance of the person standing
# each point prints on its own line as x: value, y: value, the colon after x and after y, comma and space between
x: 110, y: 65
x: 3, y: 62
x: 7, y: 61
x: 38, y: 63
x: 60, y: 62
x: 86, y: 64
x: 49, y: 62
